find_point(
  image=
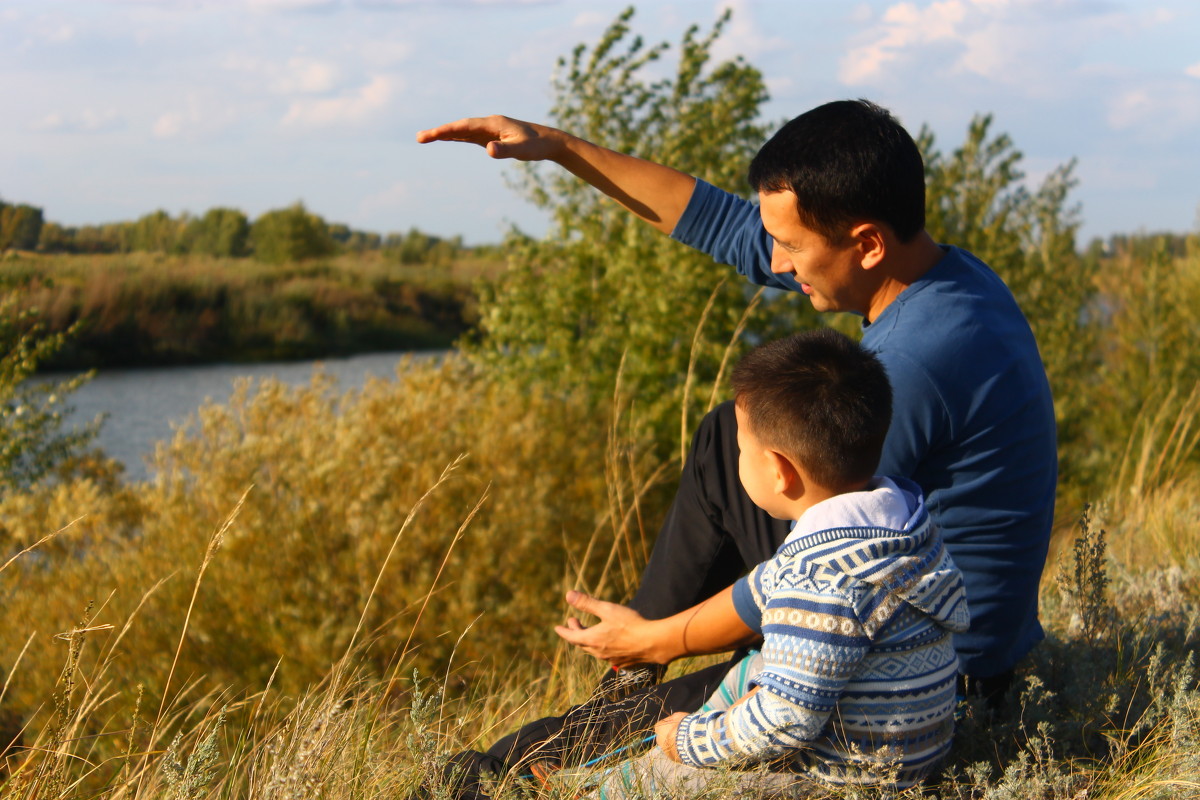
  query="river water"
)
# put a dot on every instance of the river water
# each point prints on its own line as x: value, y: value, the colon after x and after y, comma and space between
x: 142, y: 404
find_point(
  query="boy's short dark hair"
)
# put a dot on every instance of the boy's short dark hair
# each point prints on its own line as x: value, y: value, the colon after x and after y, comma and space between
x: 848, y: 161
x: 819, y: 398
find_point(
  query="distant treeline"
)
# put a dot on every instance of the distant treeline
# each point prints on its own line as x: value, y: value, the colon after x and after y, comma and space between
x: 150, y: 309
x: 1144, y: 245
x: 219, y: 287
x: 279, y: 236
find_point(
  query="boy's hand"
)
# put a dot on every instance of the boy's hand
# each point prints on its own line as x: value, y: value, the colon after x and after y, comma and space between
x: 621, y: 637
x: 664, y: 735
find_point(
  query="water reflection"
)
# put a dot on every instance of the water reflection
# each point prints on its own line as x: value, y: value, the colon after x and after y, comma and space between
x: 142, y: 404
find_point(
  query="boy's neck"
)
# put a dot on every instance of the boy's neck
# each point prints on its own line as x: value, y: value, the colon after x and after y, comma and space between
x: 814, y: 494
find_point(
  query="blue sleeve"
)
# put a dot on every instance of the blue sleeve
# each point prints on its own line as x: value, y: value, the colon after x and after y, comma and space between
x: 813, y: 644
x: 729, y: 228
x: 744, y: 605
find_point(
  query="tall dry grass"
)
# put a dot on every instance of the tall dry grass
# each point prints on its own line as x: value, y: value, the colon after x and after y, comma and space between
x: 1108, y: 708
x: 429, y: 525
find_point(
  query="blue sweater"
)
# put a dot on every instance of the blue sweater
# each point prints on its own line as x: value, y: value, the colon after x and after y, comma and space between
x: 858, y: 670
x: 972, y: 424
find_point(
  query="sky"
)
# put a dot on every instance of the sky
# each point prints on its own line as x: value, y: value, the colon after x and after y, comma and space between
x: 111, y: 109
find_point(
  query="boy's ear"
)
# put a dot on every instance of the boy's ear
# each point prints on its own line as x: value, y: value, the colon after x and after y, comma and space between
x: 871, y: 242
x: 787, y: 477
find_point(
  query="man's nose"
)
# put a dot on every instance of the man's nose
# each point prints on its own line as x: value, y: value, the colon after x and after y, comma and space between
x: 780, y: 263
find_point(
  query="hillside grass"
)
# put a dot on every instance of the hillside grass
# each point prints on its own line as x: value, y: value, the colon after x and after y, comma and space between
x: 323, y: 593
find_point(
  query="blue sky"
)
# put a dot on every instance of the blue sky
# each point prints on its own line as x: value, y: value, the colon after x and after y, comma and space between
x: 114, y: 109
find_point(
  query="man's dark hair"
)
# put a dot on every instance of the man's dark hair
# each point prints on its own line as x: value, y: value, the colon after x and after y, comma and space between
x: 818, y: 398
x: 848, y: 161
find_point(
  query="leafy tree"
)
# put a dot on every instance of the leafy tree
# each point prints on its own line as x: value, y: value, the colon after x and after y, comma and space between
x: 54, y: 238
x: 20, y: 226
x: 32, y: 440
x: 155, y: 232
x: 352, y: 240
x: 109, y: 238
x: 604, y: 293
x: 416, y: 247
x: 221, y: 232
x: 290, y: 234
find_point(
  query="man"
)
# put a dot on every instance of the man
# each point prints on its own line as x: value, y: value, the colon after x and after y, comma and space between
x: 840, y: 218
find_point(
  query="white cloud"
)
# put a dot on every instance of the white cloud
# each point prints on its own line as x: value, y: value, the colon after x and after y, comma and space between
x: 168, y: 126
x: 352, y: 106
x: 590, y: 19
x: 293, y: 5
x: 87, y: 121
x: 1193, y: 70
x: 306, y: 76
x: 385, y: 52
x: 1031, y: 49
x: 903, y: 29
x: 206, y: 113
x: 61, y: 34
x: 296, y: 75
x: 51, y: 123
x: 390, y: 199
x: 742, y: 35
x: 1157, y: 111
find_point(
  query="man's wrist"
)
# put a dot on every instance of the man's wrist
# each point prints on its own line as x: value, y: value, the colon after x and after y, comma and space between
x: 564, y: 147
x: 665, y: 642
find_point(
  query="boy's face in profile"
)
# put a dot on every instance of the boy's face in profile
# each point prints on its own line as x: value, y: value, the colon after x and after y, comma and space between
x: 758, y: 468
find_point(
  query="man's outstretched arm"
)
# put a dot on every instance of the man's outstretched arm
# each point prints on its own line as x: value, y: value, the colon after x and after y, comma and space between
x: 656, y: 193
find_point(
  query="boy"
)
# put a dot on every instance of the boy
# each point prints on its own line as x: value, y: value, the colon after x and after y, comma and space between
x: 855, y: 681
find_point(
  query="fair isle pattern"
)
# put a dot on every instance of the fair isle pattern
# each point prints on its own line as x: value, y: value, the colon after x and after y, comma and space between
x: 857, y: 671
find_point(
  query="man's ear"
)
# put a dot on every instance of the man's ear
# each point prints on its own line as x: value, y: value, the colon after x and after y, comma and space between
x: 871, y: 241
x: 788, y: 481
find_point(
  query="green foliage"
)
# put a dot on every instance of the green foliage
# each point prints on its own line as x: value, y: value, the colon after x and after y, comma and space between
x: 1084, y: 581
x: 108, y: 238
x: 290, y: 234
x: 604, y: 293
x: 1149, y: 298
x: 156, y: 232
x: 351, y: 240
x: 415, y: 247
x: 20, y: 226
x: 142, y: 309
x: 32, y: 440
x: 221, y: 233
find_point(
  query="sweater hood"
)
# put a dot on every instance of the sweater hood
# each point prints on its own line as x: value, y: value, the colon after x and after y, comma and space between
x: 893, y: 553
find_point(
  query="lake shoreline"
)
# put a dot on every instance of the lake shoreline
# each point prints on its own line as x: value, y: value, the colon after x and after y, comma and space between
x: 144, y: 405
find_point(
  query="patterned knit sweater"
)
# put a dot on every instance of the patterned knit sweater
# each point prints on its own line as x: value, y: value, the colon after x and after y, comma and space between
x: 856, y: 610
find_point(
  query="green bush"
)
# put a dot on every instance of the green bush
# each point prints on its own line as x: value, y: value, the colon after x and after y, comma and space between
x: 20, y: 226
x: 604, y: 295
x: 221, y: 233
x: 33, y: 441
